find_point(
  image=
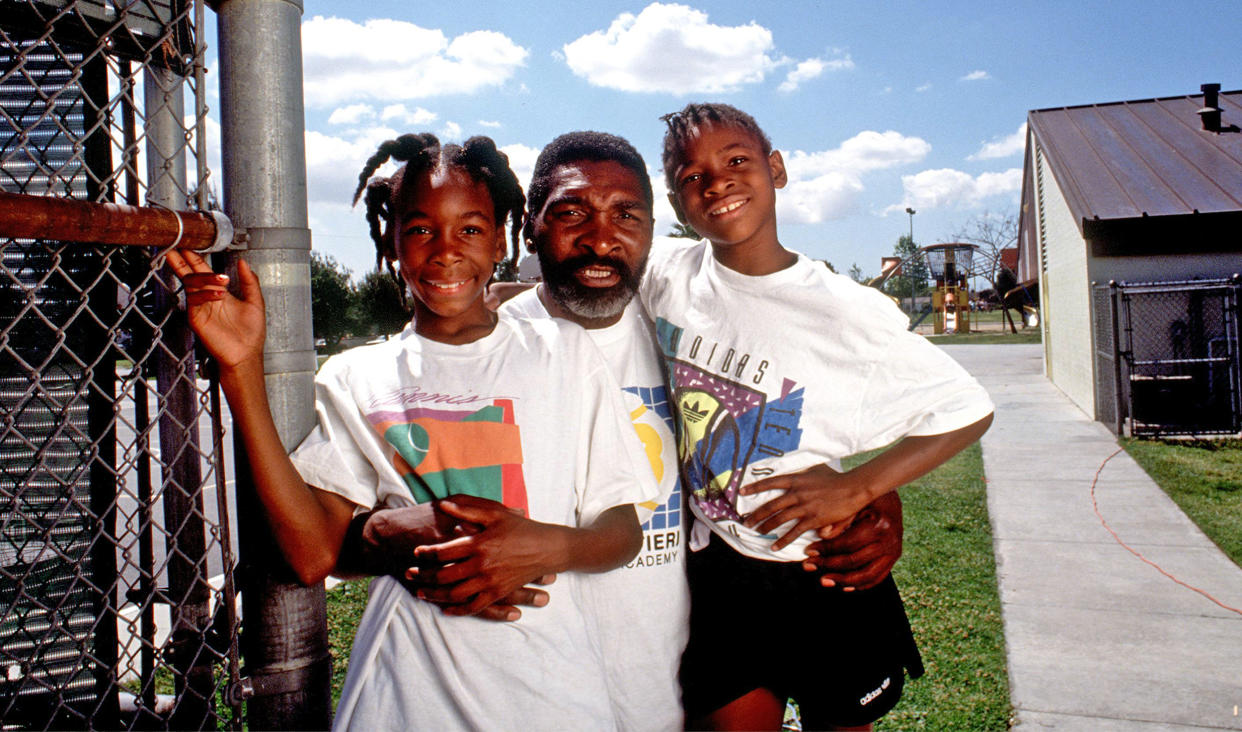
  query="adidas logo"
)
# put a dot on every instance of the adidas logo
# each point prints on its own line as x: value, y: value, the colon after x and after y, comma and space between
x: 871, y: 695
x: 693, y: 413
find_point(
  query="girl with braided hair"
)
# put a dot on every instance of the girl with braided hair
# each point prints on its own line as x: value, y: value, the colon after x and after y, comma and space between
x: 513, y: 429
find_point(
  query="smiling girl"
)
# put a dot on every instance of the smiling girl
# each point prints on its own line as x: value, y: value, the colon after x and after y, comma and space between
x: 492, y: 419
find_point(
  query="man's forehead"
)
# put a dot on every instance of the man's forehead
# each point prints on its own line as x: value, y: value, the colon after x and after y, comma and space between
x: 583, y: 176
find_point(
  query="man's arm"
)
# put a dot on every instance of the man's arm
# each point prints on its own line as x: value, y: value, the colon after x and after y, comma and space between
x: 500, y: 292
x: 383, y: 541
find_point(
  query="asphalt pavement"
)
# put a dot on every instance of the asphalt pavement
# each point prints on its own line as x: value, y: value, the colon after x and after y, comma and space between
x: 1099, y: 636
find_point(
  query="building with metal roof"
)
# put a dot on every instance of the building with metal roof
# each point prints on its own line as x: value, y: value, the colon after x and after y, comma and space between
x: 1128, y: 192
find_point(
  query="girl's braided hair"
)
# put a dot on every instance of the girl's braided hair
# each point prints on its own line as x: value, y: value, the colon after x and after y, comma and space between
x: 683, y: 124
x: 478, y: 157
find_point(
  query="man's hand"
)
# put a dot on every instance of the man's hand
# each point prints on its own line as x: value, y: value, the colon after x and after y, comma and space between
x: 383, y: 541
x: 470, y: 573
x: 506, y: 609
x: 865, y: 553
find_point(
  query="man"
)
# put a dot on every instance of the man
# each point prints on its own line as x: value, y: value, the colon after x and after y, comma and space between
x: 590, y: 224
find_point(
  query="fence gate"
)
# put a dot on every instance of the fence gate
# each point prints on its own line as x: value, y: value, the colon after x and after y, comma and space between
x: 1109, y: 407
x: 1176, y: 356
x: 116, y: 561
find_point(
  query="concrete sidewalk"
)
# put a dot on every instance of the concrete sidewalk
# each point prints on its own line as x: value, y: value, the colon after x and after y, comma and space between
x: 1097, y: 639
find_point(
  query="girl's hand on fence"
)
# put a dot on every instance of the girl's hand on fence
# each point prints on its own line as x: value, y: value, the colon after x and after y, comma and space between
x: 232, y: 328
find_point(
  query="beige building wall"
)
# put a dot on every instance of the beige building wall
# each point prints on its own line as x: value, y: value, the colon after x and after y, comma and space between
x: 1065, y: 293
x: 1163, y: 268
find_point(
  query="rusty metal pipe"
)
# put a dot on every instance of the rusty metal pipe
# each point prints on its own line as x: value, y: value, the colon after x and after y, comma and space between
x: 64, y: 219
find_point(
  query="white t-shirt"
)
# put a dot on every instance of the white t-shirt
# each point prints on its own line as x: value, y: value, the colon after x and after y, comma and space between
x: 642, y: 608
x: 518, y: 416
x: 774, y: 374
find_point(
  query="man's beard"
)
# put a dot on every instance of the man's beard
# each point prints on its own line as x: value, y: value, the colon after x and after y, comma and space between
x: 590, y: 302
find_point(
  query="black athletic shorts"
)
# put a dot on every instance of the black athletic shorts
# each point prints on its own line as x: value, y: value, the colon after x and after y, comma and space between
x: 841, y: 656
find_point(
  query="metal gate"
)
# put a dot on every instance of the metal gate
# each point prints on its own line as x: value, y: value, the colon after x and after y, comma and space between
x: 116, y: 558
x: 1174, y: 367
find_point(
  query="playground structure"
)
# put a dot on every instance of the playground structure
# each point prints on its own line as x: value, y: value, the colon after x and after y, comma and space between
x: 950, y: 266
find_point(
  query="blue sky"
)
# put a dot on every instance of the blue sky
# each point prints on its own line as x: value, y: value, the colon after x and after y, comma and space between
x: 876, y: 105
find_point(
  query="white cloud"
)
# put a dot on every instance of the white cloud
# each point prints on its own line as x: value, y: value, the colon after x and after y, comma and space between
x: 450, y: 132
x: 945, y: 188
x: 976, y: 75
x: 384, y: 59
x: 825, y: 185
x: 351, y: 114
x: 521, y: 161
x: 813, y: 68
x: 868, y: 150
x: 923, y: 87
x: 829, y: 196
x: 405, y: 116
x: 333, y: 163
x: 672, y: 49
x: 663, y: 212
x: 1002, y: 147
x: 490, y: 124
x: 804, y: 71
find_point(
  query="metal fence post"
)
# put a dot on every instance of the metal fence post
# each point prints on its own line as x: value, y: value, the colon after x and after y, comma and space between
x: 188, y: 593
x: 285, y: 634
x: 1122, y: 404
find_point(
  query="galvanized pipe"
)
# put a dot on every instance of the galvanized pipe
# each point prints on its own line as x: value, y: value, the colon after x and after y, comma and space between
x: 262, y: 128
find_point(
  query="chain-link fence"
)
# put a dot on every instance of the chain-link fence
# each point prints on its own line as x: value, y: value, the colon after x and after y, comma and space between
x: 115, y: 552
x: 1108, y: 407
x: 1174, y: 362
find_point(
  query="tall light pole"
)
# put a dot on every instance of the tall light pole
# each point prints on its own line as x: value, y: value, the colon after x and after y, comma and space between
x: 908, y: 275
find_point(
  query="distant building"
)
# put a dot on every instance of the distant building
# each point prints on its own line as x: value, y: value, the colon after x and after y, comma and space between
x: 1136, y: 192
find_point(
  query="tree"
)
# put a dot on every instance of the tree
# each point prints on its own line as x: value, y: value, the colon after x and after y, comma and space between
x: 914, y: 276
x: 855, y: 273
x: 505, y: 271
x: 993, y: 233
x: 331, y: 299
x: 377, y: 306
x: 684, y: 231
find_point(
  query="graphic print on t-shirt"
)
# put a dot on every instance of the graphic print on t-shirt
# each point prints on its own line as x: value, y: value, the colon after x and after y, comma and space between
x: 444, y: 451
x: 652, y: 417
x: 653, y: 421
x: 725, y: 424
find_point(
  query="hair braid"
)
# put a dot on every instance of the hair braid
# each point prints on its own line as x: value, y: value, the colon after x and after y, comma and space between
x: 479, y: 157
x: 489, y: 165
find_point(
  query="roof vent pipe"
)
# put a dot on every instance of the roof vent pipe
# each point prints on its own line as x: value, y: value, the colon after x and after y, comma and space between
x: 1210, y: 113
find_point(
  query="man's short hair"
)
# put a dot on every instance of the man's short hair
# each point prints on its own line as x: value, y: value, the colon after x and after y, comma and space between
x: 573, y: 147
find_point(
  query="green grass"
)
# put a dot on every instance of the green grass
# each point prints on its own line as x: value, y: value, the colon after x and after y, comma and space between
x: 947, y: 576
x: 948, y: 579
x: 1027, y: 335
x: 346, y: 602
x: 1204, y: 478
